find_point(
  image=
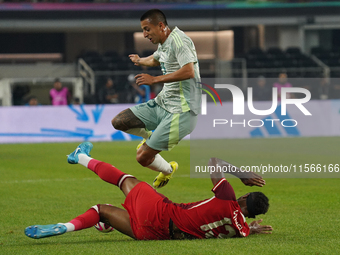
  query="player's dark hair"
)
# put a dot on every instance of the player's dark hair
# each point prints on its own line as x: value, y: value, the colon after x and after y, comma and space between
x: 155, y: 16
x: 257, y: 203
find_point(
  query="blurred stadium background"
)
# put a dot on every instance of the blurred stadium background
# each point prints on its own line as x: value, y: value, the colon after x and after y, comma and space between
x: 83, y: 42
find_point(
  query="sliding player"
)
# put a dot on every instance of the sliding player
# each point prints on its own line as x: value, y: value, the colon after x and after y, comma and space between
x: 150, y: 215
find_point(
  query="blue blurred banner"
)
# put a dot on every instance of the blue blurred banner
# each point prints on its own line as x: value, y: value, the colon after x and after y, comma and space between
x: 24, y: 124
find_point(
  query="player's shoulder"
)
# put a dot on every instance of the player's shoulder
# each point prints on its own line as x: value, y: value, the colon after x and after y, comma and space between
x: 178, y: 37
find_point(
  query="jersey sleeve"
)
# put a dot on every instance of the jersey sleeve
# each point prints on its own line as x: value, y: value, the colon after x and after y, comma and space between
x: 156, y: 55
x: 184, y: 52
x: 241, y: 225
x: 223, y: 190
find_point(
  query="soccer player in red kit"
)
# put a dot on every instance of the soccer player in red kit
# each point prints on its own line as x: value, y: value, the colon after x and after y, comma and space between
x: 150, y: 215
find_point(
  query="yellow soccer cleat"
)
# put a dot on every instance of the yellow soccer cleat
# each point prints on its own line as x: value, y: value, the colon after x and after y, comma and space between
x: 140, y: 144
x: 161, y: 180
x: 143, y: 141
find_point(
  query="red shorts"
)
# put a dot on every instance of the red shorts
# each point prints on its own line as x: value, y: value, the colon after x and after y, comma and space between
x: 147, y: 209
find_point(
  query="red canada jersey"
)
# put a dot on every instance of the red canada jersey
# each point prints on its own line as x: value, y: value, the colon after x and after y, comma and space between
x: 217, y: 217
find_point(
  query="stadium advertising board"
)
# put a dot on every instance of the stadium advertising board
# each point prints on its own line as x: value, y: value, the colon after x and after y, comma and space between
x: 24, y: 124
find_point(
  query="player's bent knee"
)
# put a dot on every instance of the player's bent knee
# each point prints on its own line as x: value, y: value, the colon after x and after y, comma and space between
x: 103, y: 210
x: 101, y: 207
x: 117, y: 124
x: 96, y: 207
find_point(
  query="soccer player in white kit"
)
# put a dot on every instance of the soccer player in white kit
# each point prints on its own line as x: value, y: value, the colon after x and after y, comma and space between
x: 173, y: 113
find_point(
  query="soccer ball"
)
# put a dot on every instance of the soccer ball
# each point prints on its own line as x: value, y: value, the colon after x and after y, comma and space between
x: 103, y: 227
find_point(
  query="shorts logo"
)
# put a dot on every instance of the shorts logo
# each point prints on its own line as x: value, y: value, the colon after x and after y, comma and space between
x: 151, y: 105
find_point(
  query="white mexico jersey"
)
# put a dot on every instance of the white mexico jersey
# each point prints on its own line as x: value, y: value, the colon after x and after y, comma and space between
x: 181, y: 96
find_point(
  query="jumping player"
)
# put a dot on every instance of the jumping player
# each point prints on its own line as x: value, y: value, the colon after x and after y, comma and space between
x: 150, y: 215
x: 173, y: 113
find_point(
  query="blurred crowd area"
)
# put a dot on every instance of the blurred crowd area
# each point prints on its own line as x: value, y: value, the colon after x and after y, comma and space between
x: 115, y: 78
x: 123, y: 89
x: 315, y: 69
x: 114, y: 89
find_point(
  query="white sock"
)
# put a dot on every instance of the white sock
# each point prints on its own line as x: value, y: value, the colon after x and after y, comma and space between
x: 160, y: 165
x: 69, y: 227
x: 84, y: 159
x: 139, y: 132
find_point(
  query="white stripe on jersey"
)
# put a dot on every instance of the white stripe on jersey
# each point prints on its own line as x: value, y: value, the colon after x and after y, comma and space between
x: 177, y: 39
x: 204, y: 202
x: 218, y: 184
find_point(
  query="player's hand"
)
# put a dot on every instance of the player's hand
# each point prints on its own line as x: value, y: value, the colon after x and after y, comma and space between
x: 144, y: 79
x: 256, y: 228
x: 253, y: 179
x: 135, y: 59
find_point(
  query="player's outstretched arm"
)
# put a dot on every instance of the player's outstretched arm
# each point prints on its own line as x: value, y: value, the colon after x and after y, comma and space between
x: 147, y: 61
x: 256, y: 228
x: 218, y: 167
x: 215, y: 176
x: 184, y: 73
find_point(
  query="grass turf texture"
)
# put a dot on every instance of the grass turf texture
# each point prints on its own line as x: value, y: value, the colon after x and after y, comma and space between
x: 37, y: 186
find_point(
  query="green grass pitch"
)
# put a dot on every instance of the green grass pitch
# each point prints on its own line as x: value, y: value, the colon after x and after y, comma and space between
x: 37, y: 186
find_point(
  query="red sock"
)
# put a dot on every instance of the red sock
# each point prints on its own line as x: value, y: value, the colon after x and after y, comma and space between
x: 86, y: 220
x: 107, y: 172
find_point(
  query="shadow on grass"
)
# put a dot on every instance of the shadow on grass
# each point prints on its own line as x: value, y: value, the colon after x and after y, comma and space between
x: 45, y: 241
